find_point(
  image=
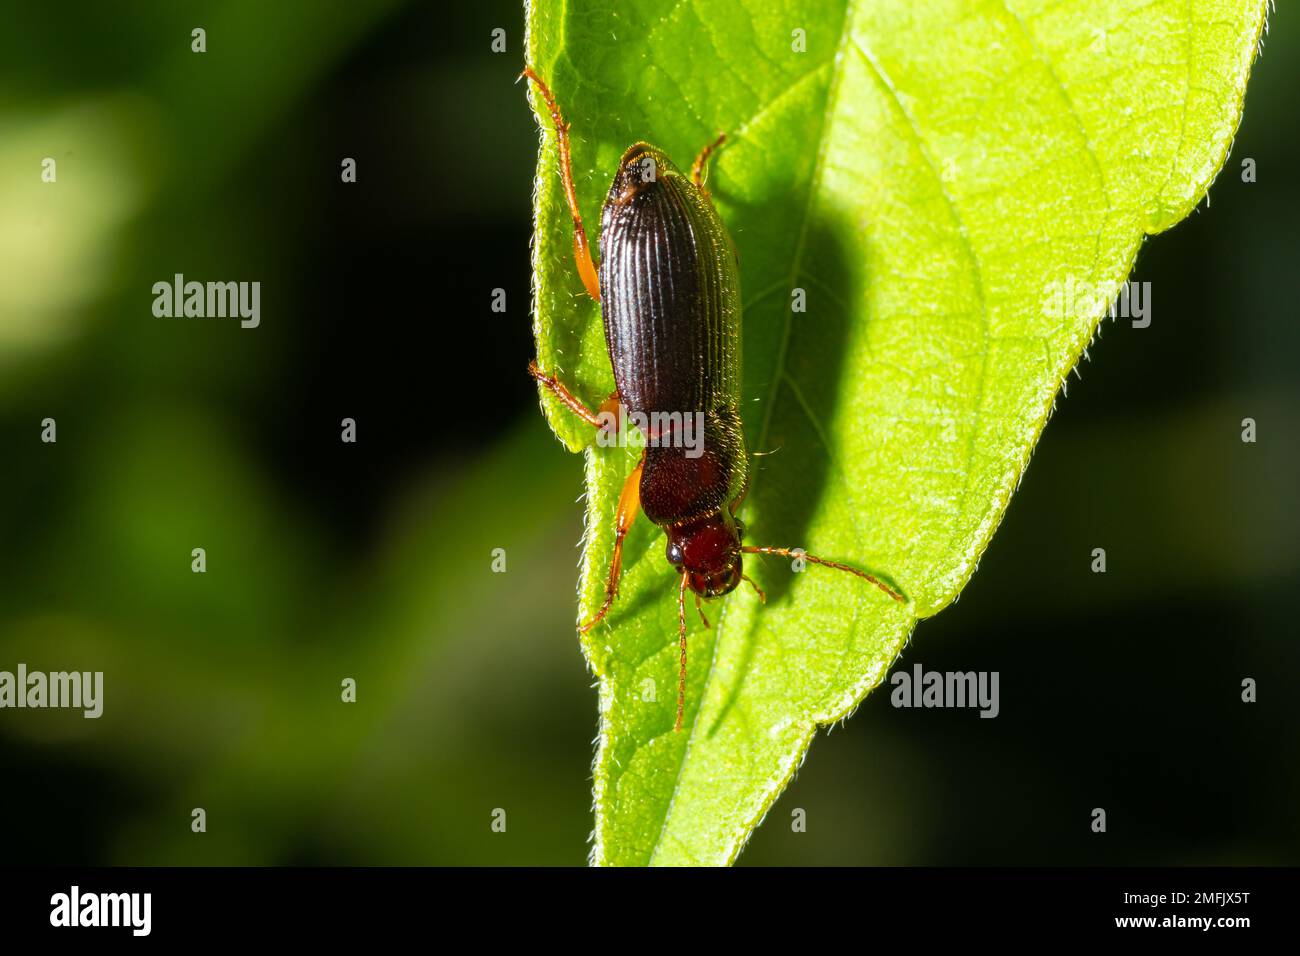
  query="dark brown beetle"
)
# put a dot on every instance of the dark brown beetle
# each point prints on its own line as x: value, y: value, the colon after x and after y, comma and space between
x: 670, y: 299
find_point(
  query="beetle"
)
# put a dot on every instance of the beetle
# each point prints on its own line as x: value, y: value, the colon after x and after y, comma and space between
x: 669, y: 291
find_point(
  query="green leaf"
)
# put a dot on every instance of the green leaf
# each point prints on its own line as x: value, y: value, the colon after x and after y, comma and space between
x: 931, y: 174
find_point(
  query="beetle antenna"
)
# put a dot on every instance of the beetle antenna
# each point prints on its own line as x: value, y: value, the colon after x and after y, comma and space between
x: 790, y: 553
x: 681, y: 642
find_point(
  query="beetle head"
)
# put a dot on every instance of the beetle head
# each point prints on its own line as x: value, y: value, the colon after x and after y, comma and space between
x: 707, y: 550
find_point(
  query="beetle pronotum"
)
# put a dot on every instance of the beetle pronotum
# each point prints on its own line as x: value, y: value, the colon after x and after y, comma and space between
x: 670, y: 299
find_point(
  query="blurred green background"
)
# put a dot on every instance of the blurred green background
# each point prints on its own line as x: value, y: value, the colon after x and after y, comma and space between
x: 373, y: 560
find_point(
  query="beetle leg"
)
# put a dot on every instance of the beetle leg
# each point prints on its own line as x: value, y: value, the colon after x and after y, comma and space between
x: 681, y: 643
x: 581, y: 251
x: 609, y: 410
x: 789, y: 553
x: 697, y: 167
x: 629, y: 504
x: 697, y: 177
x: 571, y: 401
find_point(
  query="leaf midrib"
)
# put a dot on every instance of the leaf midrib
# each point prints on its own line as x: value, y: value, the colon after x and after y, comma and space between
x: 814, y: 186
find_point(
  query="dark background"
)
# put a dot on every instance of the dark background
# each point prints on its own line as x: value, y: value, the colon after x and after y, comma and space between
x: 371, y: 560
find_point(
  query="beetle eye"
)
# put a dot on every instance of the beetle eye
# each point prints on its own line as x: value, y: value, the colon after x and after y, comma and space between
x: 675, y: 556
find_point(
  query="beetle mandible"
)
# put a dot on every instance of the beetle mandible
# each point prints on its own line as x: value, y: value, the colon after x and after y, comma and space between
x: 669, y: 293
